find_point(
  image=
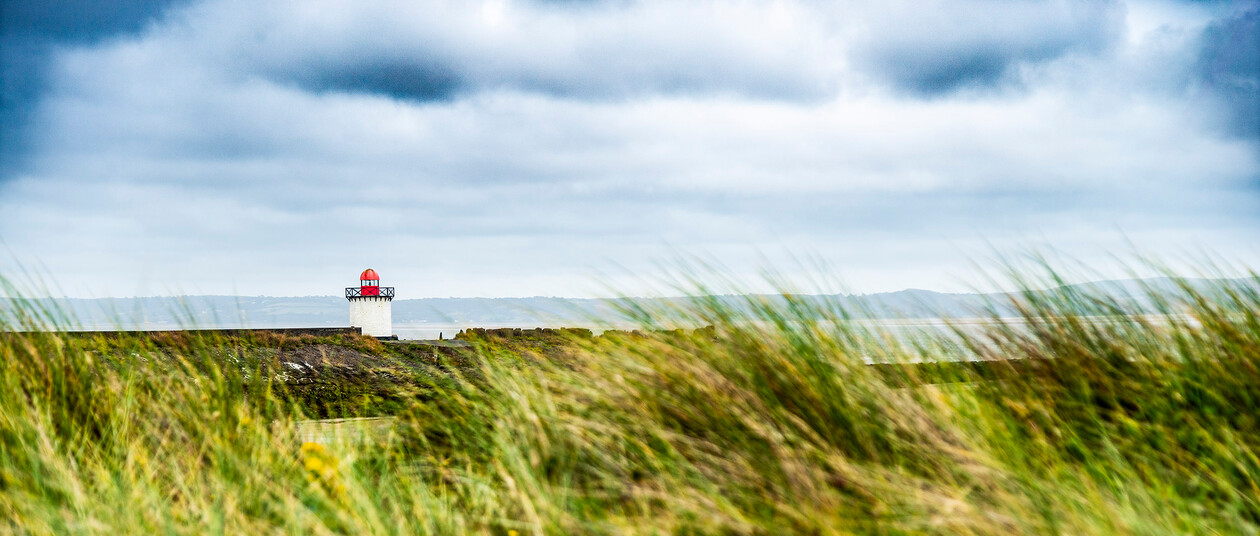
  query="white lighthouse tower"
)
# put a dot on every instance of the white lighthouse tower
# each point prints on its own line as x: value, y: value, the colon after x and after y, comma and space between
x: 370, y: 305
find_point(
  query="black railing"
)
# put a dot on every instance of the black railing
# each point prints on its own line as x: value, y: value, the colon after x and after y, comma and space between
x: 362, y: 292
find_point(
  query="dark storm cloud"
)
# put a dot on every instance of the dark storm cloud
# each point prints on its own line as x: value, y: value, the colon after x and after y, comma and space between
x: 30, y: 31
x: 937, y: 50
x: 584, y: 50
x: 21, y: 80
x: 607, y: 74
x: 417, y: 79
x: 1229, y: 67
x: 79, y: 21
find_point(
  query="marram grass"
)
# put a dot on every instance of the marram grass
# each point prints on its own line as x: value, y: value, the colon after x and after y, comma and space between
x: 1089, y: 413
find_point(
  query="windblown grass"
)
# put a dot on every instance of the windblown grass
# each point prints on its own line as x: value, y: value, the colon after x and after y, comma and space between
x: 1086, y: 414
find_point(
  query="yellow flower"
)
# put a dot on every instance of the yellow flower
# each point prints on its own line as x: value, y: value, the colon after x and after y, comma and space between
x: 513, y: 533
x: 321, y: 468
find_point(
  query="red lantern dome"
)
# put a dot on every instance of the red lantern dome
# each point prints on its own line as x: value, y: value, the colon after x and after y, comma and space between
x: 369, y: 283
x: 369, y: 286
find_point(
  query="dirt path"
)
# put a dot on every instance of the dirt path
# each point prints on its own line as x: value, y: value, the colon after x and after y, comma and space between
x: 354, y: 430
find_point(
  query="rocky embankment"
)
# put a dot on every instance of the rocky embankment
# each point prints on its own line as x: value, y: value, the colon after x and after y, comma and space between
x: 334, y: 380
x: 316, y: 363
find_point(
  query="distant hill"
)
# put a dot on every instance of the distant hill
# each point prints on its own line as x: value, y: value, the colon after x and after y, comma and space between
x: 314, y: 311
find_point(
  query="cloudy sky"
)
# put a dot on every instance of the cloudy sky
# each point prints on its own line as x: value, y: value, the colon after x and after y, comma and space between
x: 530, y: 147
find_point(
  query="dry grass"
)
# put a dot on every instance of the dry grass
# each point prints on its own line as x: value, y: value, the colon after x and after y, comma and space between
x: 1101, y: 421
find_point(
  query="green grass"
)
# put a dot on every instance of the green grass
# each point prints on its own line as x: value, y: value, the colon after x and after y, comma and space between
x: 1092, y: 419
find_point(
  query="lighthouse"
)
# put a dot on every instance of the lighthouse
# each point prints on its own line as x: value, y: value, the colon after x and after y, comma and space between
x: 370, y: 305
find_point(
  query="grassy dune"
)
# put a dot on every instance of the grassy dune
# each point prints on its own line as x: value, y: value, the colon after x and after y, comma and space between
x: 1092, y: 420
